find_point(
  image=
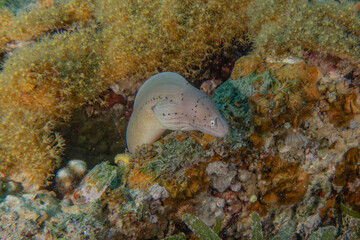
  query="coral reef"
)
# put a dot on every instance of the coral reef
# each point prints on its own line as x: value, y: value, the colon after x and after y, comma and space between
x: 97, y: 181
x: 61, y: 55
x: 292, y: 155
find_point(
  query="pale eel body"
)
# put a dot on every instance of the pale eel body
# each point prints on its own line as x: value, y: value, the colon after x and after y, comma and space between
x: 168, y: 101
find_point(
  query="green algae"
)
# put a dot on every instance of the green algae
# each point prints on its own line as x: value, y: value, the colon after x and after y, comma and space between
x: 201, y: 230
x: 173, y: 157
x: 232, y: 97
x: 256, y: 228
x: 104, y: 175
x: 324, y: 233
x: 345, y: 208
x: 180, y: 236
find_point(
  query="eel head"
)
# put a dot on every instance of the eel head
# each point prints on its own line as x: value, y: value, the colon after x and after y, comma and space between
x: 191, y: 110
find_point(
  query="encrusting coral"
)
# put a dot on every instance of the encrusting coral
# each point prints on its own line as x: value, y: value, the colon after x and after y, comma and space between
x: 265, y: 95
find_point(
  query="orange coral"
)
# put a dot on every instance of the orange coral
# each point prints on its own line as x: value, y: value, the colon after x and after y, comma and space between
x: 195, y: 181
x: 286, y: 184
x: 343, y: 110
x: 291, y: 94
x: 347, y: 174
x: 137, y: 179
x: 246, y: 65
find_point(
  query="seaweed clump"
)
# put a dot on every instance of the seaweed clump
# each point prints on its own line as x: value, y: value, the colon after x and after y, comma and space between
x: 177, y: 165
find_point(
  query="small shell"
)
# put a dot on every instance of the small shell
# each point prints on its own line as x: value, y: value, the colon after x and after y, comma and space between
x: 295, y: 139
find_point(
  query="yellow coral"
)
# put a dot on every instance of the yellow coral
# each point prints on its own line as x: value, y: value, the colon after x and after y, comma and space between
x: 39, y: 18
x: 57, y: 75
x: 28, y: 146
x: 289, y: 27
x: 154, y: 36
x: 6, y: 18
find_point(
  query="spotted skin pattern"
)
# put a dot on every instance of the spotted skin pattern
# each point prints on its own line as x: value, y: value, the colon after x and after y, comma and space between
x: 167, y: 101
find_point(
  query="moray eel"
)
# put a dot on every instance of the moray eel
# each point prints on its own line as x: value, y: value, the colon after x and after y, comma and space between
x: 168, y: 101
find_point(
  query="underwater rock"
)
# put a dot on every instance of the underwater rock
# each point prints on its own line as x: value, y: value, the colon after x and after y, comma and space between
x: 211, y: 209
x: 236, y: 186
x: 9, y: 187
x: 244, y: 175
x: 158, y: 192
x: 95, y: 183
x: 221, y: 175
x: 23, y: 216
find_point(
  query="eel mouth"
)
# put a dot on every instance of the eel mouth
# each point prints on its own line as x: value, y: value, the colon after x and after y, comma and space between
x: 221, y: 128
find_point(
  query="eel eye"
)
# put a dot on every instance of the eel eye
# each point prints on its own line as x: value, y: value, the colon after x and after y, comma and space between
x: 213, y: 122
